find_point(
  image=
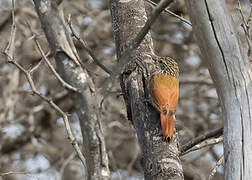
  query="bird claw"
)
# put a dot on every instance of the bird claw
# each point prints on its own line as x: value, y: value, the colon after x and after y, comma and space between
x: 167, y: 139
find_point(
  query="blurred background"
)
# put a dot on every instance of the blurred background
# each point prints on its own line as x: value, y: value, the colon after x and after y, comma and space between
x: 33, y: 140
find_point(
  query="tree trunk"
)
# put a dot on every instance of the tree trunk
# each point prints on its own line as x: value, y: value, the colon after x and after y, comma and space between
x: 160, y: 159
x: 230, y: 69
x: 68, y: 65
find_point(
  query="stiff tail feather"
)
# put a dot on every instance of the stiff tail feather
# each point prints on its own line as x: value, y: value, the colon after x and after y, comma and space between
x: 167, y: 123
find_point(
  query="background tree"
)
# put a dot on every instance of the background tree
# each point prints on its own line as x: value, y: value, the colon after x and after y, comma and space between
x: 229, y: 62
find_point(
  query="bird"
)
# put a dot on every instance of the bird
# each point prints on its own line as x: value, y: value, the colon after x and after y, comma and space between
x: 164, y: 92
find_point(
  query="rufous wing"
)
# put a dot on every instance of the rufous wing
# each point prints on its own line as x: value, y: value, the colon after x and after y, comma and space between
x: 164, y: 91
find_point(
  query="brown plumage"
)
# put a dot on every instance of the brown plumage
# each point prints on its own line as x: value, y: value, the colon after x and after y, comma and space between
x: 164, y: 90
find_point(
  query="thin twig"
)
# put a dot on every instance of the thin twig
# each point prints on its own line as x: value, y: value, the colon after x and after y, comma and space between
x: 171, y: 13
x: 132, y: 46
x: 245, y: 26
x: 34, y: 91
x: 214, y: 170
x: 11, y: 45
x: 12, y: 172
x: 140, y: 36
x: 197, y: 140
x: 206, y: 143
x: 86, y: 48
x: 63, y: 83
x: 11, y: 60
x: 66, y: 162
x: 34, y: 68
x: 242, y: 15
x: 2, y: 174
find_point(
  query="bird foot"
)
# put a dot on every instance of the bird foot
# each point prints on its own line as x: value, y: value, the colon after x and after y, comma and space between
x: 167, y: 139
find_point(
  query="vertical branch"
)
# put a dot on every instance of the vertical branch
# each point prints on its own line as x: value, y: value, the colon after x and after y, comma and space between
x: 160, y: 159
x: 229, y: 68
x: 68, y: 65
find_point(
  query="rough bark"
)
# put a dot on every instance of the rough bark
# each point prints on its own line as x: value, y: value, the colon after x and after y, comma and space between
x: 68, y: 66
x: 230, y: 69
x: 160, y: 159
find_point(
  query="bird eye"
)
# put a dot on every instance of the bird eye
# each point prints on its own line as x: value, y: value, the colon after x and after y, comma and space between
x: 170, y: 113
x: 164, y: 111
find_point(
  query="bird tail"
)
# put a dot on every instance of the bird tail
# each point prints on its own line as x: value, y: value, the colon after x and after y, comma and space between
x: 167, y: 123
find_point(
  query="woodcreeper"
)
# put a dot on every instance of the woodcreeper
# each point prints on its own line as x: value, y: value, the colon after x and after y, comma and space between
x: 164, y: 91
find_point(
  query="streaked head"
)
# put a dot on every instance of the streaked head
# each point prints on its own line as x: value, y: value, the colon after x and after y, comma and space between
x: 169, y: 66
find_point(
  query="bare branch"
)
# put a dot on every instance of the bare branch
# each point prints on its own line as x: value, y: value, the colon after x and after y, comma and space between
x: 200, y: 139
x: 214, y: 170
x: 11, y: 60
x: 229, y: 68
x: 2, y: 174
x: 86, y: 48
x: 171, y: 13
x: 208, y: 142
x: 11, y: 45
x: 34, y: 91
x: 64, y: 83
x: 34, y: 68
x: 63, y: 50
x: 66, y: 162
x: 246, y: 27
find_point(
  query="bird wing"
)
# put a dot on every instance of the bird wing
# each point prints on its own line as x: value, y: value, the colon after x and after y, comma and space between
x: 164, y: 91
